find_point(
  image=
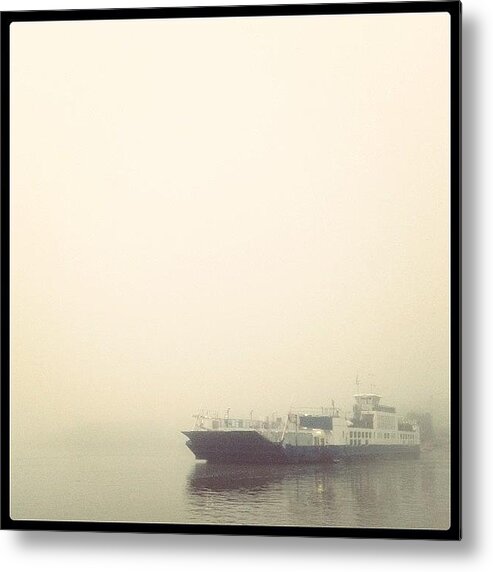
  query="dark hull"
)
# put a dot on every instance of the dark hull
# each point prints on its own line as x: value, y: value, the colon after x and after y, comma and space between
x: 247, y: 447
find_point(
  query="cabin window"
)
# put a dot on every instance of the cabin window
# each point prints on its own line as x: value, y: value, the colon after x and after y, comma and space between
x: 322, y: 441
x: 316, y: 441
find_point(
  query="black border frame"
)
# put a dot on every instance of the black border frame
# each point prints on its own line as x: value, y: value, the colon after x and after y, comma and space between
x: 454, y: 8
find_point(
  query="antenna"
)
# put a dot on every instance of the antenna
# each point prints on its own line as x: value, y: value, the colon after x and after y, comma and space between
x: 357, y: 383
x: 371, y: 384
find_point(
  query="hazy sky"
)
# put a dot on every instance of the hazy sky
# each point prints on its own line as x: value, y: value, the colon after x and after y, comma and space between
x: 225, y: 213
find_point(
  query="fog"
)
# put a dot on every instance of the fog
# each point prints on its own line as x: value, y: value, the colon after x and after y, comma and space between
x: 231, y: 213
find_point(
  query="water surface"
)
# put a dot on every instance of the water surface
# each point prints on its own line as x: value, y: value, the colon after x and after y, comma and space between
x: 168, y: 486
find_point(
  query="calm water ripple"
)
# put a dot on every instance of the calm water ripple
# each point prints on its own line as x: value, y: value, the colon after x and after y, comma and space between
x: 172, y: 488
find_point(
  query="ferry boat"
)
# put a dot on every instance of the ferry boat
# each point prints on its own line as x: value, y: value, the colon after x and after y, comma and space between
x: 307, y: 436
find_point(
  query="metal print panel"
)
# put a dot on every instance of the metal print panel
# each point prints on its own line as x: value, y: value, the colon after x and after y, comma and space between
x: 231, y: 250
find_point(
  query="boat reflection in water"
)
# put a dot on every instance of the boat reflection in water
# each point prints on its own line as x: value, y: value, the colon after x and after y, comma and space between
x: 366, y: 493
x: 216, y: 478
